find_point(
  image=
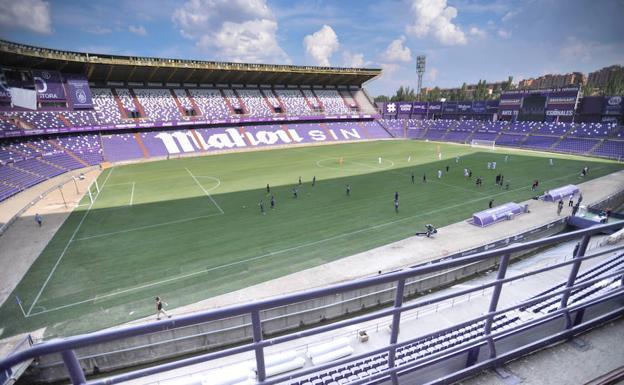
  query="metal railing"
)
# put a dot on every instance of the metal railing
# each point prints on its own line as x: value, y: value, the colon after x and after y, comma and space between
x: 67, y: 346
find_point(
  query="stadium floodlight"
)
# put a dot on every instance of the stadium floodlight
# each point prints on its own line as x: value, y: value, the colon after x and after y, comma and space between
x: 420, y: 70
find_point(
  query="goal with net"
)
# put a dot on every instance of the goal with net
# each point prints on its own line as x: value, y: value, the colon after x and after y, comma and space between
x: 93, y: 191
x: 483, y: 143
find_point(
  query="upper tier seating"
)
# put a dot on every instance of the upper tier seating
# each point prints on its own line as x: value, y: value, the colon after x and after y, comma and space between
x: 294, y: 102
x: 255, y: 103
x: 106, y: 109
x: 211, y: 103
x: 158, y: 105
x: 332, y: 102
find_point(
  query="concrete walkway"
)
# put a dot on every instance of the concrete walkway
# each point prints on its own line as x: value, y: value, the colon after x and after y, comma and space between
x: 23, y: 241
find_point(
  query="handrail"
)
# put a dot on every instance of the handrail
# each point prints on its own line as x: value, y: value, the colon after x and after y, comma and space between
x: 67, y: 345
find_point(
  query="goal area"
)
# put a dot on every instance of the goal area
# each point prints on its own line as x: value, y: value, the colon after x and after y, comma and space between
x: 483, y: 143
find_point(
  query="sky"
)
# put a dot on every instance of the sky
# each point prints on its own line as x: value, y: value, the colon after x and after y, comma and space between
x: 463, y: 40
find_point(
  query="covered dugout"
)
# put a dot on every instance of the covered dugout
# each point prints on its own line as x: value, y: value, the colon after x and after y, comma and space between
x: 498, y: 213
x: 561, y: 193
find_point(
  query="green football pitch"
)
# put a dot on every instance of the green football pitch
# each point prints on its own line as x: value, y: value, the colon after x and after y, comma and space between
x: 190, y: 229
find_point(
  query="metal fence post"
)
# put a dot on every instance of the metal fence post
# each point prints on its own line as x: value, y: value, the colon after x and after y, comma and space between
x: 394, y: 332
x: 498, y: 287
x: 73, y: 367
x: 256, y: 325
x: 576, y: 266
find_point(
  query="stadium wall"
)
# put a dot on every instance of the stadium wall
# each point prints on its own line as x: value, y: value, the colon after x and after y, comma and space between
x: 145, y: 349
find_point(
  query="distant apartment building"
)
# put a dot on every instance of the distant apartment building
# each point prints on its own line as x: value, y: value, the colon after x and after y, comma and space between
x: 600, y: 78
x: 553, y: 81
x: 493, y: 88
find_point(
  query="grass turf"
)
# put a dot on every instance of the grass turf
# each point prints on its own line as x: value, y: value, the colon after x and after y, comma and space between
x: 189, y: 229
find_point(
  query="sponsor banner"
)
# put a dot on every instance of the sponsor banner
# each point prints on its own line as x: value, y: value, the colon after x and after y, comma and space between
x: 613, y: 105
x: 48, y: 85
x: 419, y: 108
x: 404, y: 109
x: 435, y: 107
x: 609, y: 119
x: 479, y: 107
x: 561, y: 100
x: 79, y: 91
x: 390, y: 109
x: 224, y: 138
x: 509, y: 112
x: 464, y: 108
x: 450, y: 107
x: 558, y: 112
x: 510, y: 102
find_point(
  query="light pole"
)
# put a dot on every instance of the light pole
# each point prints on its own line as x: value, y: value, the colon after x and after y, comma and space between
x: 420, y: 70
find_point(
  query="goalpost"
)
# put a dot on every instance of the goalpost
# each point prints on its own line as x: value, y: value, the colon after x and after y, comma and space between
x: 93, y: 191
x: 483, y: 143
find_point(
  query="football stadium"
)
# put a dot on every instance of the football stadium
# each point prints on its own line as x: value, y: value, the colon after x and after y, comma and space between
x: 198, y: 222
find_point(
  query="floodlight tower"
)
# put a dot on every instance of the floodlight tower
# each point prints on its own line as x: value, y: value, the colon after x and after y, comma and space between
x: 420, y: 70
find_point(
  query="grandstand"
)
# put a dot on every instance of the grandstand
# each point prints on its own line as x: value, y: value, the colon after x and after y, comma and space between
x: 158, y: 216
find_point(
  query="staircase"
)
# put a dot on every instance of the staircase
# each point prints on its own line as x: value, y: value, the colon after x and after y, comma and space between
x: 267, y: 102
x: 279, y: 100
x: 227, y: 102
x: 449, y: 129
x: 309, y: 103
x: 42, y: 160
x: 600, y: 142
x: 122, y: 109
x: 66, y: 122
x: 198, y: 111
x: 240, y: 102
x: 56, y: 145
x: 181, y: 108
x: 136, y: 103
x: 27, y: 171
x: 139, y: 141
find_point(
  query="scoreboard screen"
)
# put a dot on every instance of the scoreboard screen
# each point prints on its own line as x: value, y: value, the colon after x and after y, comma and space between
x: 533, y: 108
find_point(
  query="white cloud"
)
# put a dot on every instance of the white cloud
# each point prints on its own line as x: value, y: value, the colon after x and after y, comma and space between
x: 476, y: 32
x: 397, y: 52
x: 137, y: 30
x: 98, y: 30
x: 435, y: 18
x: 235, y: 30
x: 510, y: 15
x: 575, y: 49
x: 504, y: 33
x: 431, y: 74
x: 353, y: 60
x: 33, y: 15
x: 321, y: 45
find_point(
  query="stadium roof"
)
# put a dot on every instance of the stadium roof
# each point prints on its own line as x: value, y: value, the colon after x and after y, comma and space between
x: 113, y: 68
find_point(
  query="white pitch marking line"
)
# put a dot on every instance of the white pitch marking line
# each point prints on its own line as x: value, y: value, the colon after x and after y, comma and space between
x: 145, y: 227
x: 284, y: 250
x: 58, y: 261
x: 132, y: 194
x: 204, y: 190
